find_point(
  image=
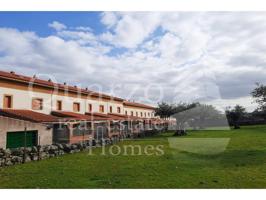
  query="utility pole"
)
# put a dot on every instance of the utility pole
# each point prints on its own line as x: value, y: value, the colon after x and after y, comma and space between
x: 25, y: 143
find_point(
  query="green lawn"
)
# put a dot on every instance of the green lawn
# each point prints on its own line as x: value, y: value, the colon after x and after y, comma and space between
x: 241, y: 165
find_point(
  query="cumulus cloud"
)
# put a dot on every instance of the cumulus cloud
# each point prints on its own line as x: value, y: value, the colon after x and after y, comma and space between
x: 109, y: 19
x: 212, y: 57
x: 130, y: 29
x: 57, y: 26
x: 84, y: 28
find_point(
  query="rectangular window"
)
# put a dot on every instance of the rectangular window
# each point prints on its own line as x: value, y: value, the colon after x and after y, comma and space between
x: 111, y: 109
x: 145, y: 114
x: 141, y: 114
x: 148, y: 114
x: 37, y: 104
x: 132, y: 113
x: 90, y: 107
x: 118, y: 110
x: 137, y: 114
x: 59, y: 105
x: 76, y: 107
x: 8, y: 101
x: 125, y: 112
x: 101, y: 108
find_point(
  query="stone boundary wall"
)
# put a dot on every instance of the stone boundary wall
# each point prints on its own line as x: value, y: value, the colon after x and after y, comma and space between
x: 9, y: 157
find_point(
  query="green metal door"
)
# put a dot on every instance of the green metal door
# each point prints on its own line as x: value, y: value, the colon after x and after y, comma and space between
x: 20, y: 139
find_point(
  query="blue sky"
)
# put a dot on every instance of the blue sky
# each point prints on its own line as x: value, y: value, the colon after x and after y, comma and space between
x: 38, y: 21
x: 213, y: 57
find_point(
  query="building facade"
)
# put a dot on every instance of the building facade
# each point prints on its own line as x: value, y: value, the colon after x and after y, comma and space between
x: 50, y: 112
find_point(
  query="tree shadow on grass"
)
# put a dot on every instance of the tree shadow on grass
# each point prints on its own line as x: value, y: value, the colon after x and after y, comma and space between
x: 233, y: 158
x: 243, y: 158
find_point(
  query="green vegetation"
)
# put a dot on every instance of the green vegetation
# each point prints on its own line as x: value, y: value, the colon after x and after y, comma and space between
x: 241, y: 165
x: 235, y: 114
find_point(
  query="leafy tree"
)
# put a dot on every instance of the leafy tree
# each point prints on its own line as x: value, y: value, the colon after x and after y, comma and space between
x: 258, y: 114
x: 182, y: 115
x: 235, y: 114
x: 203, y: 112
x: 164, y: 110
x: 259, y: 94
x: 193, y: 114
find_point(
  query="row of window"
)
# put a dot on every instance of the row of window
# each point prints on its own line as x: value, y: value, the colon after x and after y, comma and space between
x: 142, y: 114
x: 118, y: 109
x: 37, y: 104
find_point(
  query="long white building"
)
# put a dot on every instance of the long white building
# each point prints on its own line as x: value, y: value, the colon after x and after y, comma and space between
x: 32, y: 112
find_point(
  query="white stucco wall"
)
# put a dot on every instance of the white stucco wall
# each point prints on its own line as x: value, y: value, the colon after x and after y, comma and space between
x: 114, y: 106
x: 23, y: 100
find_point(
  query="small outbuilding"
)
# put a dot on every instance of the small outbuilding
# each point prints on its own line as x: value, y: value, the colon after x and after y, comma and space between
x: 25, y: 128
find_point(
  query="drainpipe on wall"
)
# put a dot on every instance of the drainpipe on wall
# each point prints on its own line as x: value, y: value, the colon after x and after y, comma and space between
x: 51, y: 103
x: 85, y: 107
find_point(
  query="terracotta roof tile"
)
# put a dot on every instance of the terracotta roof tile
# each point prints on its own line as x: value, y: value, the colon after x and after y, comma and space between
x: 50, y: 84
x: 123, y: 117
x: 28, y: 115
x: 99, y: 116
x: 106, y: 116
x: 76, y: 116
x: 140, y: 105
x: 117, y: 116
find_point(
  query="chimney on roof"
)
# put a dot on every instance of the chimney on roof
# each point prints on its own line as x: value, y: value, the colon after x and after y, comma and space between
x: 34, y: 76
x: 65, y: 83
x: 12, y: 72
x: 49, y: 80
x: 86, y: 89
x: 75, y: 86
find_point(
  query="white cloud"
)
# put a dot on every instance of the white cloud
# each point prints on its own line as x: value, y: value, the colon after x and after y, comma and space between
x: 169, y: 46
x: 57, y: 26
x: 130, y: 29
x: 245, y: 101
x: 214, y: 57
x: 109, y: 19
x: 14, y: 42
x: 84, y: 28
x: 82, y: 37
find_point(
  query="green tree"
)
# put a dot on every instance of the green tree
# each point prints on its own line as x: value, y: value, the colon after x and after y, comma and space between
x: 164, y: 110
x: 203, y: 112
x: 235, y: 114
x: 259, y: 94
x: 187, y: 114
x: 182, y: 115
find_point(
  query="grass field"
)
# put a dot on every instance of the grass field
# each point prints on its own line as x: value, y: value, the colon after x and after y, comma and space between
x: 241, y: 165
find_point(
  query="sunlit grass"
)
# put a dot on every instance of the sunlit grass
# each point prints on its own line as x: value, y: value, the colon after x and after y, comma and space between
x: 241, y: 165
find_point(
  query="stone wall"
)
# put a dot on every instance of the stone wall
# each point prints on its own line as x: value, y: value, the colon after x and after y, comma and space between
x: 9, y: 157
x: 20, y: 155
